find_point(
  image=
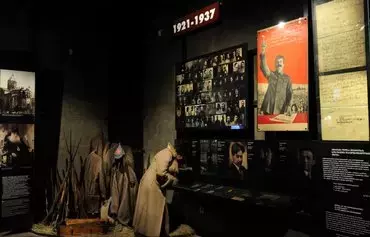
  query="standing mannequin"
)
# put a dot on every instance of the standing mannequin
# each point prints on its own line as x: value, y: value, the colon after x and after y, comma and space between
x: 94, y: 183
x: 151, y: 214
x: 124, y: 186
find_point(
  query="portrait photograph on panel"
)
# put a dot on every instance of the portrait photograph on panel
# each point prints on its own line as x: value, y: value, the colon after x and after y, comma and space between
x: 208, y: 73
x: 282, y: 78
x: 237, y: 160
x: 17, y: 94
x: 16, y: 145
x: 209, y: 164
x: 226, y: 159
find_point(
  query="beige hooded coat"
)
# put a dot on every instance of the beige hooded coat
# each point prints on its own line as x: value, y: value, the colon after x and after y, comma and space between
x: 151, y: 214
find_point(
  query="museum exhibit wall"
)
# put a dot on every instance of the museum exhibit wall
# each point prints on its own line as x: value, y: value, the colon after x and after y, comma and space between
x: 71, y: 93
x: 240, y: 22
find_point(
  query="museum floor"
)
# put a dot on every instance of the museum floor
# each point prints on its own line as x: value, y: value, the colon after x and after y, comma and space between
x: 25, y: 234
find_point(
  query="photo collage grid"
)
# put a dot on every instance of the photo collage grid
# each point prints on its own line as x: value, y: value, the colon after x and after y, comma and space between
x: 211, y: 91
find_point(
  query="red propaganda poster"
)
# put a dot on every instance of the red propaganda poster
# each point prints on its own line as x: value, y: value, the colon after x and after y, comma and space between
x: 282, y: 78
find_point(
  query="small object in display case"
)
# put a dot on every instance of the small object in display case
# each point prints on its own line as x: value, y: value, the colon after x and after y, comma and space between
x: 211, y: 91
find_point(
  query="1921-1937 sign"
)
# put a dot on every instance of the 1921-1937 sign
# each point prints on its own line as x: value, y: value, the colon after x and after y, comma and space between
x: 200, y: 18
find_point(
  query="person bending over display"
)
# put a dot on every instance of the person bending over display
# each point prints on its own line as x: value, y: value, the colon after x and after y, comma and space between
x: 236, y: 169
x: 278, y: 97
x: 151, y: 213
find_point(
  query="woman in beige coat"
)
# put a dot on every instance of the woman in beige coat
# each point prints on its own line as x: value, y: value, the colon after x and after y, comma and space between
x: 151, y: 214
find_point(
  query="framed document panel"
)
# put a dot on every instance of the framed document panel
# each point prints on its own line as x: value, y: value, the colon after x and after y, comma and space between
x: 211, y: 91
x: 282, y: 78
x: 341, y: 69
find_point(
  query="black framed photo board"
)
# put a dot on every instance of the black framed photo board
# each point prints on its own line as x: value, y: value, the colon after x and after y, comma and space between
x: 211, y: 91
x: 17, y: 145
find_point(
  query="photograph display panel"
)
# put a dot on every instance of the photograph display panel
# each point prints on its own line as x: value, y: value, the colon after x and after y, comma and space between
x: 291, y: 167
x: 225, y: 159
x: 211, y: 91
x: 267, y: 170
x: 17, y: 94
x: 189, y: 150
x: 16, y: 145
x: 282, y: 77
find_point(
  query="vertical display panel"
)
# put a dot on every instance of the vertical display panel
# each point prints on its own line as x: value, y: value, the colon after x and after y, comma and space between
x: 346, y: 191
x: 282, y: 77
x: 211, y: 91
x: 341, y: 69
x: 16, y: 157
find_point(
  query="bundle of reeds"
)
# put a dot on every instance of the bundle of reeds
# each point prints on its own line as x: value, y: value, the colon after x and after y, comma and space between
x: 68, y: 196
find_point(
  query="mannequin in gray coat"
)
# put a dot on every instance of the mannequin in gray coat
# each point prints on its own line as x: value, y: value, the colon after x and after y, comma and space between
x: 124, y: 186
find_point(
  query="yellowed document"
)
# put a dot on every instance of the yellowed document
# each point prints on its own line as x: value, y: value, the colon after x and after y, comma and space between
x: 340, y: 35
x: 346, y: 89
x: 345, y: 123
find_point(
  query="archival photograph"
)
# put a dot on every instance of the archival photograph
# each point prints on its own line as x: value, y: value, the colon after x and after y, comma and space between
x: 238, y: 161
x: 17, y: 93
x: 16, y: 145
x: 208, y: 73
x: 239, y: 66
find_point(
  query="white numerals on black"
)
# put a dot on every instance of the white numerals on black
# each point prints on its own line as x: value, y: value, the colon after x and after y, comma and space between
x: 206, y: 16
x: 183, y: 25
x: 212, y: 11
x: 198, y: 19
x: 201, y: 18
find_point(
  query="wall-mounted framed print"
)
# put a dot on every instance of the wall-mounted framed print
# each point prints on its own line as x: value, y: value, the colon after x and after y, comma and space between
x: 282, y: 52
x: 17, y: 95
x: 211, y: 91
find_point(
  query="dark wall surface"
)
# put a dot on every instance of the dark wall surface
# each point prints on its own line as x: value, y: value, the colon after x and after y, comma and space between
x: 240, y: 21
x: 69, y: 45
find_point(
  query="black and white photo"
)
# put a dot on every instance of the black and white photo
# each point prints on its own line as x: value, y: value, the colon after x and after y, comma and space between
x: 239, y: 66
x: 205, y: 86
x: 242, y: 105
x: 221, y: 107
x: 16, y: 145
x: 180, y: 78
x: 239, y: 54
x: 208, y: 73
x: 17, y: 93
